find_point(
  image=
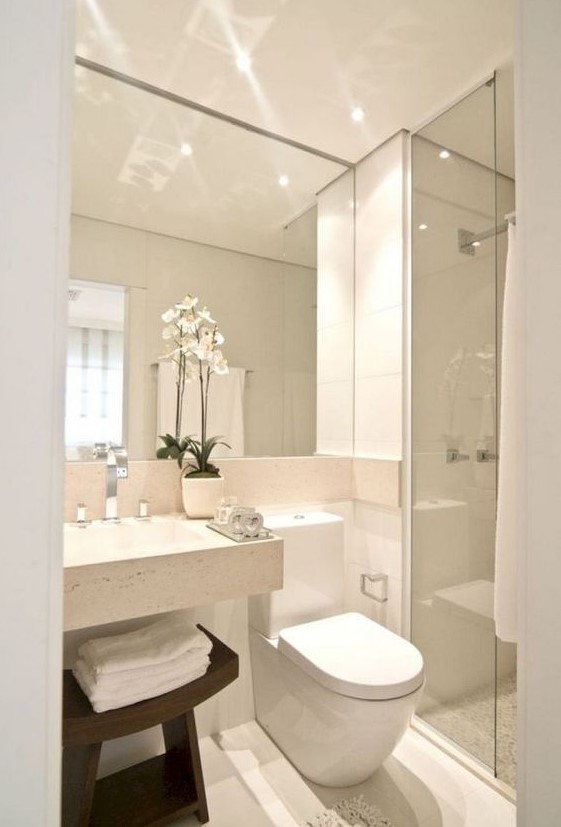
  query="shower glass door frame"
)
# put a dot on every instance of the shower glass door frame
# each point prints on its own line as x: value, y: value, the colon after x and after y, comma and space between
x: 489, y: 762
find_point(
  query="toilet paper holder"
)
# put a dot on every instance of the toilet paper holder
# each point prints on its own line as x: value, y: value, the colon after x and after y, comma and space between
x: 368, y: 580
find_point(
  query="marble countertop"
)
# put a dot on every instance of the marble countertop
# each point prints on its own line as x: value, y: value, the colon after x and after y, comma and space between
x: 115, y: 572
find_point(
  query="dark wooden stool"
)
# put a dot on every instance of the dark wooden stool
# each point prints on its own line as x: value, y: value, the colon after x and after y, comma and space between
x: 153, y: 792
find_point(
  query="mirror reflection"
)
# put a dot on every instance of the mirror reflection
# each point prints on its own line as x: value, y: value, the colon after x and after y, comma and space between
x: 168, y: 201
x: 94, y: 366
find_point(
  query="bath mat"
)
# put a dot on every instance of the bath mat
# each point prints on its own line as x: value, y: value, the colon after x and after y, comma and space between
x: 350, y: 812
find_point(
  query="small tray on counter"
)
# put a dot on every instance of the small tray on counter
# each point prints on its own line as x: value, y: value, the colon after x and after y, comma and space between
x: 226, y: 531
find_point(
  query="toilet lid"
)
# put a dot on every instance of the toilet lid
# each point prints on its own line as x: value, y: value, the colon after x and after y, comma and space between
x: 354, y: 656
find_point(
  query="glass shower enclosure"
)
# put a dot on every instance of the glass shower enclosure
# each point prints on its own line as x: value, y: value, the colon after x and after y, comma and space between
x: 459, y: 202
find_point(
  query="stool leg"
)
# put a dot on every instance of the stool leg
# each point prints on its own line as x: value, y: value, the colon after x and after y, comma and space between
x: 180, y: 737
x: 79, y: 771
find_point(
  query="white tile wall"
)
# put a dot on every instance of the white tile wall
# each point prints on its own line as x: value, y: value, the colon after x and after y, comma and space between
x: 336, y: 252
x: 379, y: 342
x: 380, y: 288
x: 335, y: 317
x: 377, y: 536
x: 335, y: 353
x: 334, y: 412
x: 378, y: 302
x: 379, y: 228
x: 378, y: 416
x: 375, y: 547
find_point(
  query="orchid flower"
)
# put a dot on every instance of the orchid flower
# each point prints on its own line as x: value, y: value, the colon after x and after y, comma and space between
x: 204, y: 315
x: 170, y: 315
x: 188, y: 303
x: 192, y: 344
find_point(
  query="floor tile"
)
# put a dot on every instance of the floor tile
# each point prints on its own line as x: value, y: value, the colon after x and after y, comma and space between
x: 251, y: 784
x: 478, y: 809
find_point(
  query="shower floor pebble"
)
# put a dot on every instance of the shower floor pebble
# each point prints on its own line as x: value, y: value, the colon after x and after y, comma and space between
x: 250, y: 784
x: 470, y: 722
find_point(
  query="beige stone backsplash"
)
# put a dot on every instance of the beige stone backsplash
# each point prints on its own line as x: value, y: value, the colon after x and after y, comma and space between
x: 255, y: 481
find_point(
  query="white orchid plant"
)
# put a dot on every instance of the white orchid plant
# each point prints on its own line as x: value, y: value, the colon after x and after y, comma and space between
x: 193, y: 344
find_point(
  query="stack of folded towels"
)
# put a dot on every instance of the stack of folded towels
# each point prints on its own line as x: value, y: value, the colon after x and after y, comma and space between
x: 125, y: 669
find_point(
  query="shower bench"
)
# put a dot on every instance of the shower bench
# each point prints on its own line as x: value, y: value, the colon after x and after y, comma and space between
x: 156, y: 791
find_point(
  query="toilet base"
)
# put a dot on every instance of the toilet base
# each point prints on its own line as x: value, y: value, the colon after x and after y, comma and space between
x: 333, y: 740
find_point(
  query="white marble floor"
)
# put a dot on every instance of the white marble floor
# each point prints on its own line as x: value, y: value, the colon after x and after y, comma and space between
x: 250, y: 784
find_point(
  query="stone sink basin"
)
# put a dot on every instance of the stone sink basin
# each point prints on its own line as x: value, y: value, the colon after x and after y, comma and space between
x: 136, y: 568
x: 100, y: 542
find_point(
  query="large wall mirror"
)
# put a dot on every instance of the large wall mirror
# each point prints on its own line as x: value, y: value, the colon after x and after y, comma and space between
x: 169, y: 201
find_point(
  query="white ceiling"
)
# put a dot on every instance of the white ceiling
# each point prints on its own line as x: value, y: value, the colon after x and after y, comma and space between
x: 402, y: 61
x: 128, y: 169
x: 95, y: 305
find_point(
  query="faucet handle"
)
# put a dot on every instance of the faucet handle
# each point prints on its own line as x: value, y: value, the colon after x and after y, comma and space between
x: 81, y: 511
x: 143, y: 510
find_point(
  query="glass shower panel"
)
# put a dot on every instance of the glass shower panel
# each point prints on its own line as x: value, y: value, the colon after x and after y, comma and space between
x: 454, y: 416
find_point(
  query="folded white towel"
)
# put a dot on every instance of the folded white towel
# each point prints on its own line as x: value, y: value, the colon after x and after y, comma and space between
x: 159, y: 642
x: 120, y: 699
x: 130, y: 680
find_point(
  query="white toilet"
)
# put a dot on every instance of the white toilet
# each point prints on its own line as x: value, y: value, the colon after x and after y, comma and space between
x: 334, y: 691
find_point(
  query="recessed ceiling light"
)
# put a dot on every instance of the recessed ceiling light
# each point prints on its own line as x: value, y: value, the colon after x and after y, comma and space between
x: 444, y: 154
x: 423, y: 226
x: 186, y: 149
x: 243, y: 62
x: 357, y: 114
x: 476, y: 244
x: 283, y: 180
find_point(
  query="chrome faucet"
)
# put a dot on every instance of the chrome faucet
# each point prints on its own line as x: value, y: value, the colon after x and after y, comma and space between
x: 117, y: 468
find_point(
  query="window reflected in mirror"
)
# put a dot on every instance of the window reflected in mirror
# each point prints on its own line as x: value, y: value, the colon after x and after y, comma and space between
x: 94, y: 367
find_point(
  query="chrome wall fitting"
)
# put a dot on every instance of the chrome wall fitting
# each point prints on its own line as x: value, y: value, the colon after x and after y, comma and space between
x: 366, y: 582
x: 453, y: 455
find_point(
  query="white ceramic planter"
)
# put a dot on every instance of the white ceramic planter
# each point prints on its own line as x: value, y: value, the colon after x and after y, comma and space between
x: 201, y: 495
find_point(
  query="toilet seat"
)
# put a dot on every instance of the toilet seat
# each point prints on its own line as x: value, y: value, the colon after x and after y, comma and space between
x: 354, y: 656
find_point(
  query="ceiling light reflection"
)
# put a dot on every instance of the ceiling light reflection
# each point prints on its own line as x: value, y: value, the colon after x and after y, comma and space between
x: 243, y: 62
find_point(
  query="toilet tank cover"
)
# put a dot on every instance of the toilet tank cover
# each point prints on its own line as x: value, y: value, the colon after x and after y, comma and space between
x: 354, y: 656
